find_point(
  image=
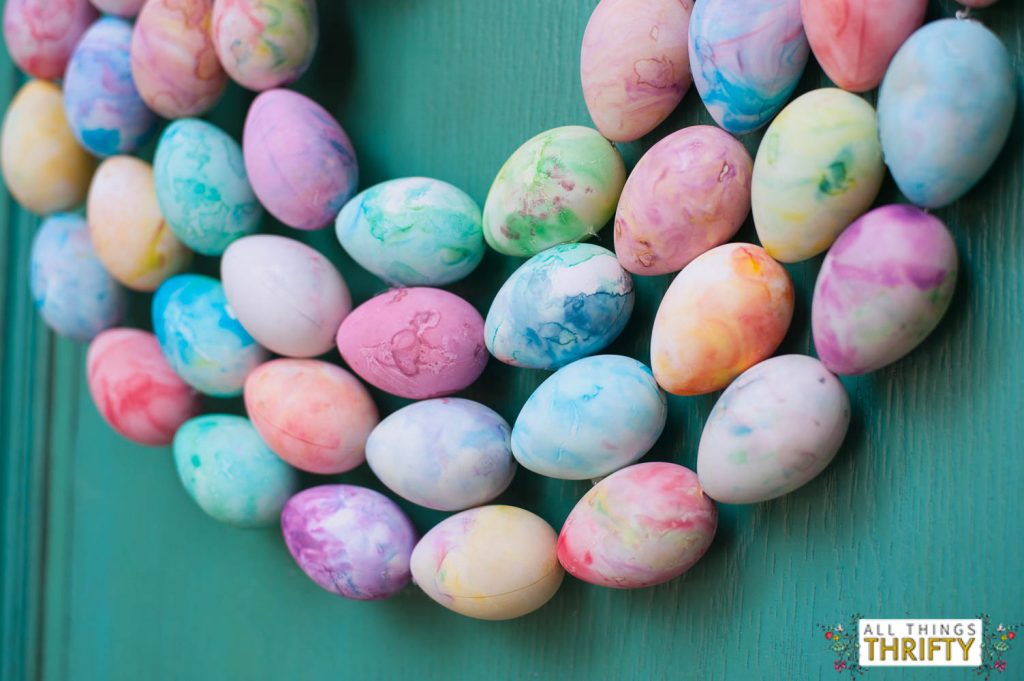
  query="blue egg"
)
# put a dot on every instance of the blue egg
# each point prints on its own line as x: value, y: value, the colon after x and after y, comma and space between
x: 590, y: 418
x: 562, y: 304
x: 74, y: 294
x: 945, y: 110
x: 200, y: 336
x: 202, y: 186
x: 230, y: 472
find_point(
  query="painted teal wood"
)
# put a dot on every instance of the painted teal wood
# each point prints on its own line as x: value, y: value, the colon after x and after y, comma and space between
x: 110, y: 572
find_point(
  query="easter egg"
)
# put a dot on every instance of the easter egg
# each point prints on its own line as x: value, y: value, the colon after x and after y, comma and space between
x: 265, y: 44
x: 102, y: 103
x: 314, y: 415
x: 884, y: 286
x: 447, y: 454
x: 72, y: 292
x: 134, y: 388
x: 818, y: 168
x: 640, y: 526
x: 491, y: 563
x: 634, y: 64
x: 590, y: 418
x: 413, y: 231
x: 689, y: 193
x: 44, y: 168
x: 202, y: 187
x: 41, y: 34
x: 773, y: 430
x: 851, y: 44
x: 122, y: 8
x: 565, y: 303
x: 351, y: 541
x: 129, y: 233
x: 725, y: 312
x: 938, y: 142
x: 747, y: 57
x: 230, y: 472
x: 287, y: 295
x: 977, y: 3
x: 300, y: 162
x: 415, y: 342
x: 558, y: 187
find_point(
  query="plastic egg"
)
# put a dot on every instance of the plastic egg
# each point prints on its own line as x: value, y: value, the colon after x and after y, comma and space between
x: 41, y: 34
x: 491, y: 563
x: 884, y: 286
x: 938, y: 142
x: 728, y: 310
x: 350, y: 540
x: 129, y: 233
x: 640, y: 526
x: 747, y: 57
x: 134, y: 388
x: 590, y: 418
x: 818, y: 168
x: 288, y: 296
x: 447, y: 454
x: 561, y: 186
x: 122, y: 8
x: 300, y: 162
x: 689, y: 193
x: 314, y: 415
x: 413, y: 231
x: 202, y: 187
x: 230, y: 472
x: 265, y: 44
x: 415, y: 342
x: 44, y: 168
x: 73, y: 293
x: 560, y: 305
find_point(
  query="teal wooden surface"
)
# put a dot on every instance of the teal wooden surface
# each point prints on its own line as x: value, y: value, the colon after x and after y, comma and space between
x: 110, y: 572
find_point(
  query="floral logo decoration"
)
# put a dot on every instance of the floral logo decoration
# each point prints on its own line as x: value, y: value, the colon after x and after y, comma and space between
x: 995, y: 643
x: 843, y: 640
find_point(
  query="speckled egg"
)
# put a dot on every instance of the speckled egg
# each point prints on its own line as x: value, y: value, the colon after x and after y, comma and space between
x: 640, y: 526
x: 448, y: 454
x: 351, y: 541
x: 689, y: 193
x: 300, y: 162
x: 288, y: 296
x: 122, y: 8
x: 725, y: 312
x: 265, y: 44
x: 560, y: 305
x: 559, y: 187
x: 884, y: 286
x: 491, y: 563
x: 41, y: 34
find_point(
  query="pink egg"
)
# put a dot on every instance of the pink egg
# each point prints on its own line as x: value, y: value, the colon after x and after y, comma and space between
x: 415, y: 342
x: 41, y: 34
x: 977, y: 3
x: 122, y: 8
x: 135, y: 390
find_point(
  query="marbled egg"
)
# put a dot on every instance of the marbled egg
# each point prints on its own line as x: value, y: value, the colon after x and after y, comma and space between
x: 202, y: 187
x: 415, y: 342
x: 314, y: 415
x: 640, y: 526
x: 134, y: 388
x: 884, y: 285
x: 286, y: 294
x: 689, y: 193
x: 634, y: 64
x: 491, y: 563
x: 75, y: 296
x: 230, y: 472
x: 773, y: 430
x: 945, y: 110
x: 41, y: 34
x: 300, y: 162
x: 351, y: 541
x: 413, y: 231
x: 725, y: 312
x: 447, y: 454
x: 122, y: 8
x: 44, y: 168
x: 565, y: 303
x: 561, y: 186
x: 747, y: 57
x: 818, y: 168
x: 265, y: 44
x: 590, y: 418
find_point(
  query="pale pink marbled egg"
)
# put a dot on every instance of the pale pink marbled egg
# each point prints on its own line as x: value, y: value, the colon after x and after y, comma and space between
x: 41, y: 34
